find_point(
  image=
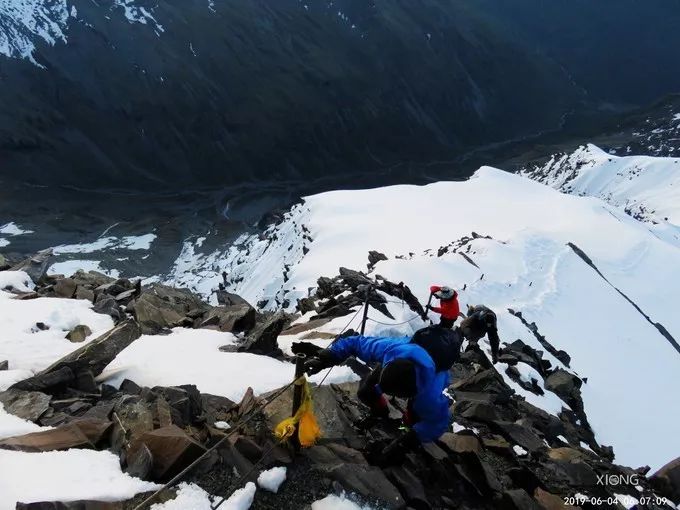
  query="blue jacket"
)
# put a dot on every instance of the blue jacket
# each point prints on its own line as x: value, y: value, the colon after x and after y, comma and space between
x: 429, y: 404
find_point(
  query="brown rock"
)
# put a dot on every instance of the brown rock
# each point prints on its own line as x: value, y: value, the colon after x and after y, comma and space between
x: 550, y: 501
x: 97, y: 431
x: 62, y: 438
x: 65, y: 288
x: 172, y: 450
x: 84, y: 293
x: 460, y: 443
x: 28, y: 405
x: 565, y: 454
x: 79, y: 333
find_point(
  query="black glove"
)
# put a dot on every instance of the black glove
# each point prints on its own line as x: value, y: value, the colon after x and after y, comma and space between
x: 323, y: 359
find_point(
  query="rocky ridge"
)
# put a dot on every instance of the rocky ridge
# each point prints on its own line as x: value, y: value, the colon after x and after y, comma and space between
x: 502, y: 452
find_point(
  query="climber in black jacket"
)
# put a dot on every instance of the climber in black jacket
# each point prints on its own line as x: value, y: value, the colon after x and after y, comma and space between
x: 479, y: 322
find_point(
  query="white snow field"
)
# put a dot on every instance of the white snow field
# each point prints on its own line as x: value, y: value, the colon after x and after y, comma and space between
x: 29, y: 349
x: 527, y: 266
x: 65, y: 476
x: 192, y: 356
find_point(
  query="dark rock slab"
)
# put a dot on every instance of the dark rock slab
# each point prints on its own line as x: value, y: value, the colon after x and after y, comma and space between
x: 61, y: 438
x: 28, y: 405
x: 460, y: 443
x: 35, y: 266
x: 4, y: 365
x: 139, y: 462
x: 94, y: 356
x: 65, y: 288
x: 521, y: 435
x: 367, y: 481
x: 234, y: 318
x: 262, y: 339
x: 172, y: 450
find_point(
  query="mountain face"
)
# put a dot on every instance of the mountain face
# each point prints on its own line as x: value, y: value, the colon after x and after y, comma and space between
x: 139, y: 95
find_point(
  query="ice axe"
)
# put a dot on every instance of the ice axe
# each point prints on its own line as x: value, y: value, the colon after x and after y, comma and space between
x: 427, y: 307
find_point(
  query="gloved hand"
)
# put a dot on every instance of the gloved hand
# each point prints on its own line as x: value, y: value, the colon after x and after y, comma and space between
x: 323, y: 359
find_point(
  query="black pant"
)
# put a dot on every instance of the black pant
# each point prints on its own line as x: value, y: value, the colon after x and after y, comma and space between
x: 370, y: 397
x: 446, y: 323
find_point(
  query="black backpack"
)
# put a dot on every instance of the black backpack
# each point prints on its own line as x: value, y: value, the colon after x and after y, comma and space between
x: 442, y: 344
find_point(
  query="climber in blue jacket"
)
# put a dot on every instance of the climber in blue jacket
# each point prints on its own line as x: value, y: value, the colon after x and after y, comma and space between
x: 404, y: 370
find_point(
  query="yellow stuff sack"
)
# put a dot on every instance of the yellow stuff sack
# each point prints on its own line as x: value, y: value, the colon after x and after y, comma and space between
x: 304, y: 419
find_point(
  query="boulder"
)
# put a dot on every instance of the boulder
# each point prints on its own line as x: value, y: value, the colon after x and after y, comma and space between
x: 65, y: 288
x: 234, y: 318
x: 521, y: 435
x: 460, y: 443
x: 98, y: 353
x: 172, y: 450
x: 565, y: 454
x: 562, y: 383
x: 374, y: 257
x: 28, y: 405
x: 132, y: 417
x: 475, y: 411
x: 35, y: 266
x: 667, y: 480
x: 61, y: 438
x: 262, y: 339
x: 91, y: 279
x: 4, y: 365
x: 93, y: 357
x: 477, y: 473
x: 139, y: 462
x: 84, y: 293
x: 106, y: 305
x: 305, y: 305
x: 79, y: 333
x: 368, y: 482
x: 46, y: 380
x: 329, y: 411
x: 154, y: 315
x: 410, y: 487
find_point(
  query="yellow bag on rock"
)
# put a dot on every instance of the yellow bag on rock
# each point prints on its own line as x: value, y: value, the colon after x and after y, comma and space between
x: 304, y: 419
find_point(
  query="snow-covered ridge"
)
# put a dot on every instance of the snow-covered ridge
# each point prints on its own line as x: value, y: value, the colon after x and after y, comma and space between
x: 24, y: 22
x: 595, y: 281
x: 27, y: 23
x: 645, y: 187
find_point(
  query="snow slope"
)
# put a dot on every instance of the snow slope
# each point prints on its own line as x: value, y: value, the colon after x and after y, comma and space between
x: 192, y: 356
x: 27, y: 23
x: 27, y: 347
x: 65, y: 476
x: 611, y: 316
x: 646, y: 187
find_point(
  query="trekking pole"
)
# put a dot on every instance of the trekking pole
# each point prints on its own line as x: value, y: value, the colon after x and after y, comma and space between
x: 297, y: 395
x: 363, y: 320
